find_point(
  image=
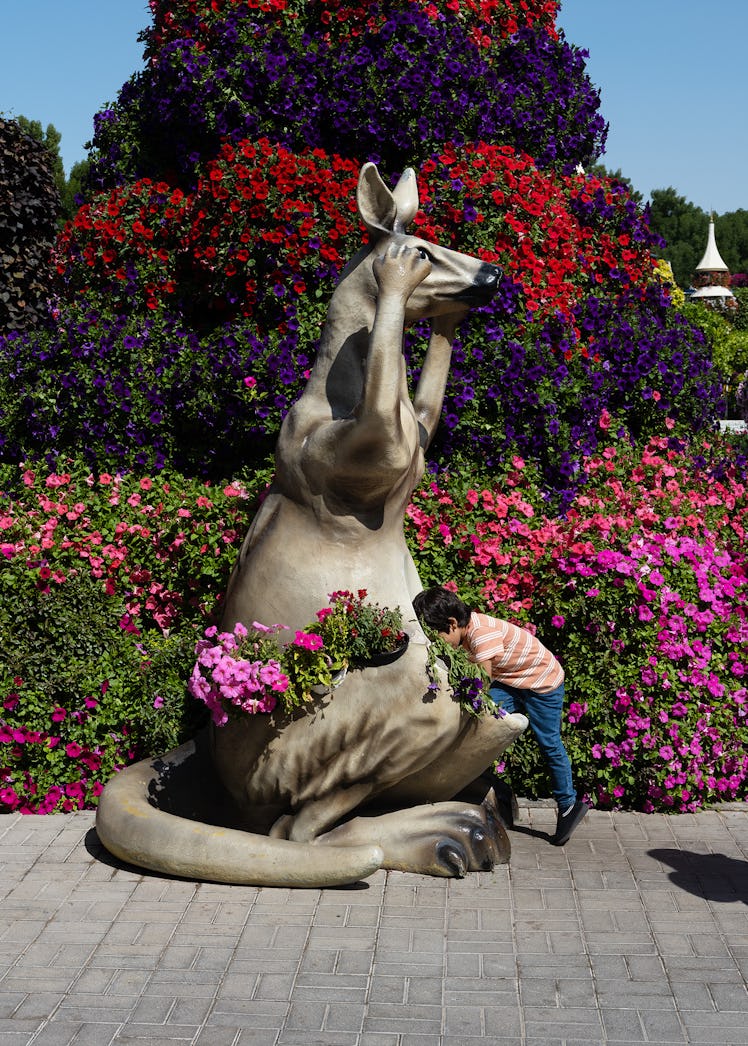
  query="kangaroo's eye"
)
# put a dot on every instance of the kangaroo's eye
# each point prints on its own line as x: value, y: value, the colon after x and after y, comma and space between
x: 424, y: 253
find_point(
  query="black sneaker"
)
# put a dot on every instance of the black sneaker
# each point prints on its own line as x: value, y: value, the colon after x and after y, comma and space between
x: 568, y: 821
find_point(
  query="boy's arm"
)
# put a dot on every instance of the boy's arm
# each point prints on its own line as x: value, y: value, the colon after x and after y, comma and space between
x: 486, y: 650
x: 487, y: 667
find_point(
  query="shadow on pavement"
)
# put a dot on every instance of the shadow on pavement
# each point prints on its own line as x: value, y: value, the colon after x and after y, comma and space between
x: 715, y: 877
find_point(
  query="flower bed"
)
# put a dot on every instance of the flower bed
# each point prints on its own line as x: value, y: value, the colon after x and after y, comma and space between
x: 640, y: 588
x: 105, y: 582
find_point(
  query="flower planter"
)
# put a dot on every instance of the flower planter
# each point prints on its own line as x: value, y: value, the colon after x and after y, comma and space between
x: 326, y: 688
x: 387, y: 657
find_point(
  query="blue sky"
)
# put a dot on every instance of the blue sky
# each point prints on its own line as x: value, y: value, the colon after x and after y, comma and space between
x: 669, y: 72
x: 674, y: 90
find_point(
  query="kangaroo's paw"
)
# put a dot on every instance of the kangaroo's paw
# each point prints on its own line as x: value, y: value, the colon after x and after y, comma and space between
x: 447, y: 839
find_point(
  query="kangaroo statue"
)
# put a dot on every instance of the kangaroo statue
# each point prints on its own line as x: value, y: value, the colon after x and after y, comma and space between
x: 366, y: 778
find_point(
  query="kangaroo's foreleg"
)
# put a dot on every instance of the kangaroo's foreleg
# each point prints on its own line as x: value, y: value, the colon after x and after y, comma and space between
x: 481, y: 741
x: 367, y: 453
x: 429, y: 395
x: 376, y: 439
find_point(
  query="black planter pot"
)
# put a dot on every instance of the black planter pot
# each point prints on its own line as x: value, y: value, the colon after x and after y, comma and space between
x: 388, y: 656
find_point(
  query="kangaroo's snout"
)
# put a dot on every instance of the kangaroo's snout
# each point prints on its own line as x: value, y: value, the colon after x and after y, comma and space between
x: 483, y: 287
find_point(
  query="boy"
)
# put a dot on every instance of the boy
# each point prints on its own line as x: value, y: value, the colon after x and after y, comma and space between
x: 525, y: 677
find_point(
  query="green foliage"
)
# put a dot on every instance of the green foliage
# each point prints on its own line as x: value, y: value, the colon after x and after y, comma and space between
x: 29, y: 206
x: 727, y: 340
x: 684, y: 227
x: 716, y: 329
x: 98, y: 695
x: 74, y: 187
x: 50, y: 138
x: 739, y: 318
x: 736, y: 350
x: 731, y: 232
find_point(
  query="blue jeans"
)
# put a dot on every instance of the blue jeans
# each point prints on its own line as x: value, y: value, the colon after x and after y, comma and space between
x: 544, y: 712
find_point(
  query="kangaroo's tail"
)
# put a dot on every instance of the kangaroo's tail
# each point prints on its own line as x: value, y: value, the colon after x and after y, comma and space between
x: 133, y: 828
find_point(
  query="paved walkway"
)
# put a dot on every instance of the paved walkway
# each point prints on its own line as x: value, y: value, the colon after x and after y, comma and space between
x: 635, y: 932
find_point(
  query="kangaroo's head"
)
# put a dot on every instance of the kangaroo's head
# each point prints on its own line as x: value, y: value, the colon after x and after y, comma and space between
x: 456, y: 281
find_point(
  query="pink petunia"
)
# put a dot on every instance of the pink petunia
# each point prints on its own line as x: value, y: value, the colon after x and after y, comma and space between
x: 308, y: 641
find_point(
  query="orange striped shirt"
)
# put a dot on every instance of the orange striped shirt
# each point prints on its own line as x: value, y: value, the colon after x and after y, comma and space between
x: 514, y: 655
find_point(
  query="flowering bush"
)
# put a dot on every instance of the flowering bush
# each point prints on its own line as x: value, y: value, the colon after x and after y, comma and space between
x: 104, y: 581
x: 640, y: 589
x: 385, y: 81
x: 569, y: 345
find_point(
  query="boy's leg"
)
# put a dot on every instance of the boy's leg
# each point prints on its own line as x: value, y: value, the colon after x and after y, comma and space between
x: 544, y: 712
x: 507, y: 697
x: 509, y: 700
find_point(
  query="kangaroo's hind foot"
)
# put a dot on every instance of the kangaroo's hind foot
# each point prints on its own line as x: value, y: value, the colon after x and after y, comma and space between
x: 445, y: 839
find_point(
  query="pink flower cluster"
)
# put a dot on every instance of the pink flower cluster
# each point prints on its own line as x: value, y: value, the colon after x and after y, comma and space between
x: 84, y: 761
x: 222, y: 676
x: 58, y: 529
x: 158, y: 548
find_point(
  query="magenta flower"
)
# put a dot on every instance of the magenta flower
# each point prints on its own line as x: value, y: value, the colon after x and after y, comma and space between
x: 308, y: 641
x: 576, y: 711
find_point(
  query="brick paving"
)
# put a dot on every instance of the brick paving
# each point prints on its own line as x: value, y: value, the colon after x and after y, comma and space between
x: 635, y: 932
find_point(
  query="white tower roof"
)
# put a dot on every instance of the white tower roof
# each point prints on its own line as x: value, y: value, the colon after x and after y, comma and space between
x: 712, y: 260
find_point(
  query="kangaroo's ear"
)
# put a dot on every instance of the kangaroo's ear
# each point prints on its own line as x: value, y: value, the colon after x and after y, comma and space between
x: 405, y: 194
x: 376, y: 204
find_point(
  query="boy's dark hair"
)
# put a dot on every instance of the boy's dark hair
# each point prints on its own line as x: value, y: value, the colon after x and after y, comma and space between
x: 435, y: 606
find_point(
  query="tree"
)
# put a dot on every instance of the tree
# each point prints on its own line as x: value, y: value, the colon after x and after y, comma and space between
x: 75, y: 187
x: 731, y: 230
x: 683, y: 226
x: 50, y: 139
